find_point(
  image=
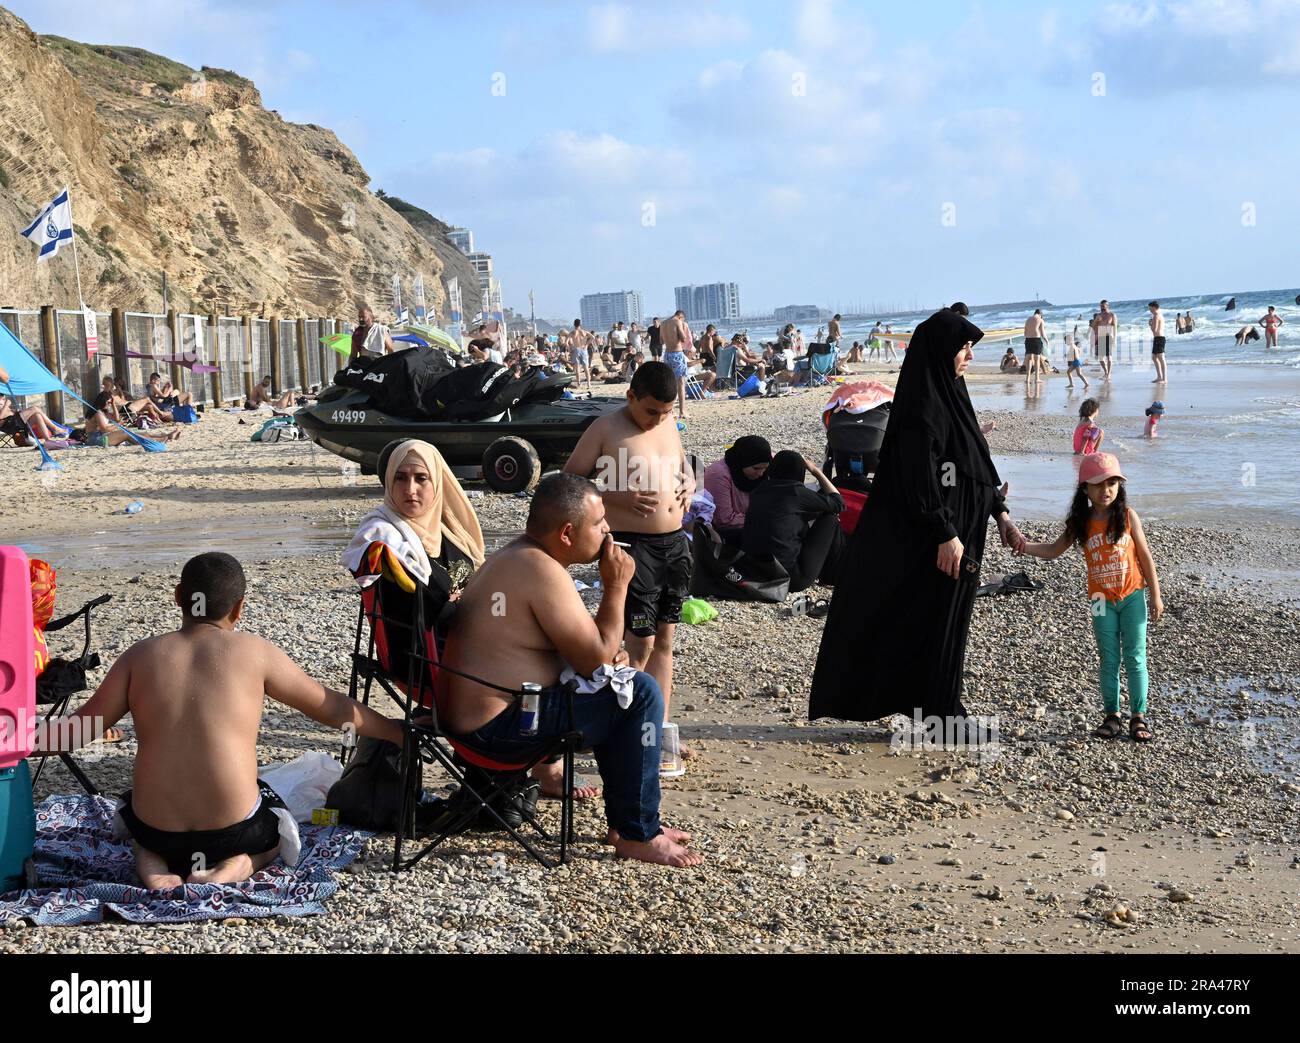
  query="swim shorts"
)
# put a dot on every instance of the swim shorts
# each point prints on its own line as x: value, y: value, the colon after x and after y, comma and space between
x: 677, y: 363
x: 1103, y: 343
x: 1158, y: 346
x: 578, y: 357
x: 1033, y: 345
x: 662, y: 580
x: 1076, y: 364
x: 205, y: 848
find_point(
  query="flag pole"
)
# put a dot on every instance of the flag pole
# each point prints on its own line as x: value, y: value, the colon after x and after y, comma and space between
x: 76, y: 265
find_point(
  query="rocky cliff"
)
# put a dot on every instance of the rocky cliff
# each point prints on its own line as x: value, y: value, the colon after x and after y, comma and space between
x: 182, y: 171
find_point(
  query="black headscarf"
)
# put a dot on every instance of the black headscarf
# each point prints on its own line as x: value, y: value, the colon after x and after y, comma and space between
x: 746, y: 452
x: 787, y: 466
x: 928, y: 395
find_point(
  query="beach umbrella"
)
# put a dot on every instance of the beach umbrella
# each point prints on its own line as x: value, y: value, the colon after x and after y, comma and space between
x: 432, y: 334
x: 340, y: 342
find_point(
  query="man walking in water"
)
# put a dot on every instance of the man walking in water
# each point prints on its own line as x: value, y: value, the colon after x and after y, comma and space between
x: 1157, y: 324
x: 1107, y: 328
x: 1035, y: 336
x: 1271, y: 322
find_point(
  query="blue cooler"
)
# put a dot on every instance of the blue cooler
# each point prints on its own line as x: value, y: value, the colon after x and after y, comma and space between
x: 17, y: 828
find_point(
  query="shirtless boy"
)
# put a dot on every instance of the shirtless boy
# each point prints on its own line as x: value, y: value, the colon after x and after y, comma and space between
x: 196, y: 698
x: 1035, y: 337
x: 647, y: 486
x: 1157, y: 324
x: 520, y: 620
x: 580, y: 343
x: 1106, y: 328
x: 675, y: 336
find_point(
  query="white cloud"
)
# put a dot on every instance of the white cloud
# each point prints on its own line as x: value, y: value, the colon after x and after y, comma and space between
x: 616, y: 27
x: 821, y: 26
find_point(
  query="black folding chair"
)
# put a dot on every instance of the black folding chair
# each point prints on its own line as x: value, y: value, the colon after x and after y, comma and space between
x: 62, y: 679
x: 396, y: 648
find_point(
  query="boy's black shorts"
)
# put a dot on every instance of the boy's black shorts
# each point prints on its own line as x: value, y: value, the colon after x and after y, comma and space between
x: 662, y: 580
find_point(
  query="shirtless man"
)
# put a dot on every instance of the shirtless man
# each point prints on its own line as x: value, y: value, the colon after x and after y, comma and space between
x: 521, y: 620
x: 675, y: 335
x: 164, y: 396
x: 1035, y: 338
x: 1106, y: 328
x: 196, y: 697
x: 647, y: 486
x: 833, y: 333
x: 262, y: 396
x: 580, y: 342
x: 1271, y: 322
x: 1157, y: 324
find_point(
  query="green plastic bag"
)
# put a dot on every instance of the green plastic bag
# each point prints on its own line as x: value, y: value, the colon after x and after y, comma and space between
x: 695, y: 611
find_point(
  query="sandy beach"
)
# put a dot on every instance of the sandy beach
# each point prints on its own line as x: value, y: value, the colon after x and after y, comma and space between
x: 818, y: 837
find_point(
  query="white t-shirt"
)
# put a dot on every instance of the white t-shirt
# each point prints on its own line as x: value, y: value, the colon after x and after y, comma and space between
x: 618, y: 337
x: 494, y: 355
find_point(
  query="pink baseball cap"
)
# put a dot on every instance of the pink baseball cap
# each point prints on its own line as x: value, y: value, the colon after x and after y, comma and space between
x: 1097, y: 467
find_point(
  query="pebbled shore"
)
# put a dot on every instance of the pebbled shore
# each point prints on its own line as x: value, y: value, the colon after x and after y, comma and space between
x: 818, y: 837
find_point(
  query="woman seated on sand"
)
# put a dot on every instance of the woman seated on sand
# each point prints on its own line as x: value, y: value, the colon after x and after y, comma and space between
x: 138, y: 407
x: 731, y: 480
x: 19, y: 424
x: 797, y: 526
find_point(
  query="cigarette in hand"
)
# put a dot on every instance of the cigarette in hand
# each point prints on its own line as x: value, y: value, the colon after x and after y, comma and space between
x: 620, y: 543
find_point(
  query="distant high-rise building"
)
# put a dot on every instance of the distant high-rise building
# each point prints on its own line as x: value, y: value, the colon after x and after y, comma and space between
x: 482, y: 264
x: 712, y: 302
x: 601, y: 310
x: 798, y: 313
x: 463, y: 239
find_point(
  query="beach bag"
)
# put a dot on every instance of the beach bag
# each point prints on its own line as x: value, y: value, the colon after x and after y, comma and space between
x: 369, y: 793
x: 260, y: 435
x: 748, y: 386
x: 282, y: 433
x: 185, y: 415
x: 724, y: 571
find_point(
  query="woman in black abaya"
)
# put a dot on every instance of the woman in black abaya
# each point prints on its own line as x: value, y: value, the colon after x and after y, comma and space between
x: 895, y: 639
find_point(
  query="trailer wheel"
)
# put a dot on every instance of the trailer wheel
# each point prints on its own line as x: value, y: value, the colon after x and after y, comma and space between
x: 510, y: 465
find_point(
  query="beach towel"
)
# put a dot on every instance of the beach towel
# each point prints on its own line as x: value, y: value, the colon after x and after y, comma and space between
x: 85, y: 874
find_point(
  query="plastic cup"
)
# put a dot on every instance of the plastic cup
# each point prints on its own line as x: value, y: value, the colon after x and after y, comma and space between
x: 670, y: 753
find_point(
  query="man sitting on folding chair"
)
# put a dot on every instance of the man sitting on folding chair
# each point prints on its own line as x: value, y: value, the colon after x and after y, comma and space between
x: 521, y: 621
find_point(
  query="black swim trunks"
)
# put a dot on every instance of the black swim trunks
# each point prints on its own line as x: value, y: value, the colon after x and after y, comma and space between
x: 1033, y: 345
x: 1158, y: 346
x: 201, y: 849
x: 662, y: 580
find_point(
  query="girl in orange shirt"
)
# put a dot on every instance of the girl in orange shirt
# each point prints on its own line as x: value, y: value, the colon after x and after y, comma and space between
x: 1120, y: 567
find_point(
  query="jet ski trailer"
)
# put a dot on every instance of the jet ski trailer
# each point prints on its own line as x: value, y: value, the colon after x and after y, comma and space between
x: 513, y: 449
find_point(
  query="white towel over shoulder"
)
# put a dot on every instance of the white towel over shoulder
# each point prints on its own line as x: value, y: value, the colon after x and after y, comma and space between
x: 384, y: 526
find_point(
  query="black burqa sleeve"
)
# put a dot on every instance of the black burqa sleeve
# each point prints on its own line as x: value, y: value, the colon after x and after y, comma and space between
x: 895, y: 637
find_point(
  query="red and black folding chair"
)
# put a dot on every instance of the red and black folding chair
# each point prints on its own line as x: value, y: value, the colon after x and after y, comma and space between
x: 398, y: 648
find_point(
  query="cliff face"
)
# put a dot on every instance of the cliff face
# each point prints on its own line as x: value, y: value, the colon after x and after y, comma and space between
x: 183, y: 171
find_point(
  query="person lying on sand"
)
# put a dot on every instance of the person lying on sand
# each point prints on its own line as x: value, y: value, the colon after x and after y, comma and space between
x: 544, y: 626
x: 195, y: 811
x: 137, y: 407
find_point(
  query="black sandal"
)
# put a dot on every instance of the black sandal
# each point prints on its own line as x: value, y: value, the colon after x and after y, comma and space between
x: 1138, y: 729
x: 819, y: 608
x: 1111, y: 728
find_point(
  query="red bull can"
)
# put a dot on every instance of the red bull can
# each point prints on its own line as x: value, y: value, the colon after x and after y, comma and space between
x: 530, y: 704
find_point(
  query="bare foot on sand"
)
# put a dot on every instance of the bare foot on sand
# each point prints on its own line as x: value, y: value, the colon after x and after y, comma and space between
x: 677, y: 836
x: 233, y: 869
x: 153, y: 871
x: 662, y: 850
x: 551, y: 779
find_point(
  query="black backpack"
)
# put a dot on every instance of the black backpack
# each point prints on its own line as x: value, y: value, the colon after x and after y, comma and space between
x: 725, y: 571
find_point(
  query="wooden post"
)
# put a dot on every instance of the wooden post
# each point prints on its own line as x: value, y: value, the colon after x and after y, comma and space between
x: 250, y: 357
x: 275, y: 353
x: 121, y: 364
x: 214, y: 329
x: 302, y: 355
x: 50, y: 352
x: 174, y: 370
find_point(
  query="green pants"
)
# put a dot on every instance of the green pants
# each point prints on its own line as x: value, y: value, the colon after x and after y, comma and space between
x: 1121, y: 631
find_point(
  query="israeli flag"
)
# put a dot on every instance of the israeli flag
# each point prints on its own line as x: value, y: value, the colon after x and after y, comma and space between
x: 53, y: 228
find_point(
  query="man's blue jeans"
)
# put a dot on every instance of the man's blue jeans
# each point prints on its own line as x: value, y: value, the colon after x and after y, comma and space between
x: 626, y: 744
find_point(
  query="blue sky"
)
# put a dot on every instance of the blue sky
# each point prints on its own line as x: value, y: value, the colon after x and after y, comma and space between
x: 811, y: 151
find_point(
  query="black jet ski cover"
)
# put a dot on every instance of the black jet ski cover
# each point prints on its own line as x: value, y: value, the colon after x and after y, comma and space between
x: 503, y: 395
x: 396, y: 384
x: 465, y: 393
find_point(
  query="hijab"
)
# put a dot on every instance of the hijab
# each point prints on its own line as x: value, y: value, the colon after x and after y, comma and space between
x: 787, y: 466
x: 746, y: 452
x: 931, y: 397
x: 450, y: 514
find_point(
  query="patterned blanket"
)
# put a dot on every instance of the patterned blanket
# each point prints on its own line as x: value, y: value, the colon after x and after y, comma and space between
x: 86, y: 874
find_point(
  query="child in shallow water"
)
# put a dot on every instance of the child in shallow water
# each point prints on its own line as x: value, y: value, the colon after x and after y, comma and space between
x: 1088, y: 436
x: 1120, y: 569
x: 1155, y: 412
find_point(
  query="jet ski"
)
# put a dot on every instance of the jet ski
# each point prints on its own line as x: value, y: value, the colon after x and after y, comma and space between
x: 476, y: 416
